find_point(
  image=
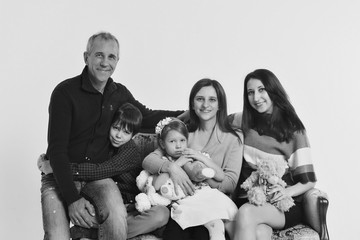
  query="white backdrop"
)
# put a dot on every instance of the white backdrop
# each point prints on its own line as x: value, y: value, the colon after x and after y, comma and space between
x: 166, y: 46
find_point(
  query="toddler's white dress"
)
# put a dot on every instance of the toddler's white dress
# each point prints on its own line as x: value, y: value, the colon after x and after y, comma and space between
x: 205, y: 205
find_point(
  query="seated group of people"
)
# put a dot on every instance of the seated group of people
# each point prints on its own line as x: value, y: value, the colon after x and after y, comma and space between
x: 90, y: 178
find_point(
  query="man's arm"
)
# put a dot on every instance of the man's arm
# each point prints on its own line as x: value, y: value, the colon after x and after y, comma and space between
x: 60, y: 116
x: 81, y: 212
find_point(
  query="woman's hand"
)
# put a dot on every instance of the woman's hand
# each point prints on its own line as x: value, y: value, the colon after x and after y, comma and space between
x: 180, y: 178
x: 278, y: 192
x: 181, y: 161
x: 196, y: 155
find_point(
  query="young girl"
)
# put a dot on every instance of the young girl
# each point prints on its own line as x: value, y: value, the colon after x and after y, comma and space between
x: 123, y: 166
x: 208, y: 206
x: 272, y: 130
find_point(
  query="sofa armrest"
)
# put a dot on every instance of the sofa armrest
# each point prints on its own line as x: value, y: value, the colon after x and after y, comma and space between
x: 315, y: 204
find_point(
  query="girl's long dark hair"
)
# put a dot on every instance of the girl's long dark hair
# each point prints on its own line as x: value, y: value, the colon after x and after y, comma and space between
x: 221, y: 114
x: 283, y: 122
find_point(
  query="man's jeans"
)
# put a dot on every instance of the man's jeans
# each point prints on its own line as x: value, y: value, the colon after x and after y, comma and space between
x: 103, y: 194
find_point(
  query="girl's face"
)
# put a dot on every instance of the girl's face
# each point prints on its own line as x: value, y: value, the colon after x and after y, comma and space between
x: 119, y: 136
x: 174, y: 144
x: 258, y: 96
x: 206, y: 103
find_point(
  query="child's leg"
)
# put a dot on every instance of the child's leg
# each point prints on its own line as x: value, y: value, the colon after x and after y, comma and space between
x: 216, y: 229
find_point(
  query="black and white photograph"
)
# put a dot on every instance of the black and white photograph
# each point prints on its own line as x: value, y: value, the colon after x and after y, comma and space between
x: 180, y: 120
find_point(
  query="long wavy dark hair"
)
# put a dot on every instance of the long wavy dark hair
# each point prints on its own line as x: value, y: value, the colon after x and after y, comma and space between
x: 221, y: 114
x: 283, y: 122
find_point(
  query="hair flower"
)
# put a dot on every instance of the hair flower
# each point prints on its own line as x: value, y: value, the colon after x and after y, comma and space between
x: 161, y: 124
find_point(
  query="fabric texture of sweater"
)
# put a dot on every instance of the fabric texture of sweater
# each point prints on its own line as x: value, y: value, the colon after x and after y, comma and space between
x: 296, y: 153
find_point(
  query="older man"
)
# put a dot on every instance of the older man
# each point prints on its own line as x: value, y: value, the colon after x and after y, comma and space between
x: 80, y: 113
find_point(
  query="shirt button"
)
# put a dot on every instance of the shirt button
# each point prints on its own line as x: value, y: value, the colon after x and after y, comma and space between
x: 77, y: 173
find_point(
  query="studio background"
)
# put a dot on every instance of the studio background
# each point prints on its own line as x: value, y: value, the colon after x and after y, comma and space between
x: 165, y: 47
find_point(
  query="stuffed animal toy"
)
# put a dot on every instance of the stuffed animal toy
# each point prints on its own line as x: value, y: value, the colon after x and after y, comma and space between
x: 150, y: 185
x: 268, y: 173
x: 149, y: 195
x: 198, y: 171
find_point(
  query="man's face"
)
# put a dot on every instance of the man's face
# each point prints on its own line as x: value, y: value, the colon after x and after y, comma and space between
x: 102, y: 59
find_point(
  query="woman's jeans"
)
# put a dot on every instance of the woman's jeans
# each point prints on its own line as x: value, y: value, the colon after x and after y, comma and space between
x: 103, y: 194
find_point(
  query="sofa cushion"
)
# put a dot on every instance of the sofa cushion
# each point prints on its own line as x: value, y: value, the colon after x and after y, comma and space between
x: 298, y: 232
x: 146, y: 143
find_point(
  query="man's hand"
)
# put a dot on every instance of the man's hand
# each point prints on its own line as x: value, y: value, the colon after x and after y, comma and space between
x: 82, y: 213
x: 44, y: 164
x: 179, y: 177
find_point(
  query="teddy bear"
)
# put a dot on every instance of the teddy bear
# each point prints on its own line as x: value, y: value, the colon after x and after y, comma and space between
x: 149, y: 196
x: 268, y: 173
x: 160, y: 189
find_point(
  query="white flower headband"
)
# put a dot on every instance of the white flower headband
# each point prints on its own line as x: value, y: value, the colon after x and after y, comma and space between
x: 161, y: 124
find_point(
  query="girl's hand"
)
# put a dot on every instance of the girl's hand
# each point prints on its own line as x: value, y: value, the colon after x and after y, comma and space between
x: 180, y: 178
x: 278, y: 191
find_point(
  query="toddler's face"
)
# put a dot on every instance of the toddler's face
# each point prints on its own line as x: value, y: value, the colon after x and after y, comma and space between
x: 174, y: 144
x: 119, y: 136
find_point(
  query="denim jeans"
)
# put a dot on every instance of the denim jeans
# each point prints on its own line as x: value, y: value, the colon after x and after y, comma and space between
x: 103, y: 194
x: 150, y: 221
x: 147, y: 221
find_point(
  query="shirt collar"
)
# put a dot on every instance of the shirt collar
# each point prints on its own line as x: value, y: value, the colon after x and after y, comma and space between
x: 87, y: 85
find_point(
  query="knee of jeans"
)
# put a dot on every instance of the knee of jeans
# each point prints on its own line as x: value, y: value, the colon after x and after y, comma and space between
x: 161, y: 215
x: 116, y: 210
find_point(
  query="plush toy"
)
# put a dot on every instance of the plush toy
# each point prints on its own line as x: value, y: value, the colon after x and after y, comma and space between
x: 149, y: 195
x: 160, y: 189
x: 268, y: 173
x: 198, y: 171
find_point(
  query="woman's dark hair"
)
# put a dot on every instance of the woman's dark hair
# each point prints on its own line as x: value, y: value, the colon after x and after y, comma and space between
x: 176, y: 125
x: 221, y: 114
x: 283, y: 121
x: 128, y: 117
